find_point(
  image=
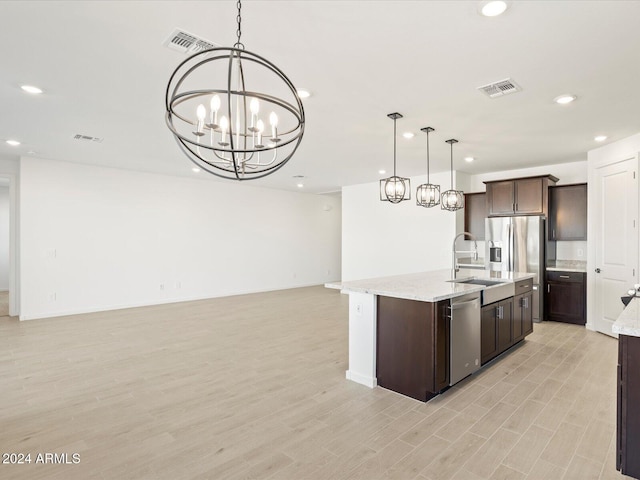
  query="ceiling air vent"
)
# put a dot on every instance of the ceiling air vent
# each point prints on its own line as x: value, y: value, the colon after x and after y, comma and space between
x: 498, y: 89
x: 87, y: 138
x: 185, y: 42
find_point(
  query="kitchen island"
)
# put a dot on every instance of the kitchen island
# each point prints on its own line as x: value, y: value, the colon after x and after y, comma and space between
x: 400, y: 326
x: 627, y: 326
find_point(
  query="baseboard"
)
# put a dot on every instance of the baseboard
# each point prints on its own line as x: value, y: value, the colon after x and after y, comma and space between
x: 80, y: 311
x: 361, y: 379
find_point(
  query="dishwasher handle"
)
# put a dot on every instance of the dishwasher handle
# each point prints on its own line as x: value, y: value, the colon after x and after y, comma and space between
x: 475, y: 303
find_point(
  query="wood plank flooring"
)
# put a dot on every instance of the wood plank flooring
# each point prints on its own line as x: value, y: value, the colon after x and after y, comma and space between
x: 253, y: 387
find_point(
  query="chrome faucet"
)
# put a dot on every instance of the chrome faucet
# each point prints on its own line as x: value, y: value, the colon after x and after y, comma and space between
x: 454, y: 267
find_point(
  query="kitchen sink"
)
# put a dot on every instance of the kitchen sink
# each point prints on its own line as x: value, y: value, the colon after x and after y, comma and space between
x: 478, y: 281
x: 497, y: 291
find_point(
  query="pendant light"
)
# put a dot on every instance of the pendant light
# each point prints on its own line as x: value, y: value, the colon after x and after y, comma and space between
x: 395, y: 189
x: 427, y: 194
x: 224, y: 128
x: 452, y: 200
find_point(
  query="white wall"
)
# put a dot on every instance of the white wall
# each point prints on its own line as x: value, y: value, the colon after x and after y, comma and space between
x: 96, y: 238
x: 4, y: 238
x: 379, y: 238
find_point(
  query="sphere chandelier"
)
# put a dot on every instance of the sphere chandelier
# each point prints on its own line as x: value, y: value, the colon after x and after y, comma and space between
x: 223, y: 127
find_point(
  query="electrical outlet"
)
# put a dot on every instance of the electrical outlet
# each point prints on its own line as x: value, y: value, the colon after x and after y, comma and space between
x: 178, y: 285
x: 580, y: 252
x: 162, y: 286
x: 52, y: 297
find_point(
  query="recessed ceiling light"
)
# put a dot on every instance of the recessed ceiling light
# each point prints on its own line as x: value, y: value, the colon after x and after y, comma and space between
x: 408, y: 135
x: 493, y: 8
x: 600, y: 138
x: 300, y: 185
x: 564, y: 99
x: 469, y: 159
x: 304, y: 93
x: 382, y: 172
x: 13, y: 143
x: 31, y: 89
x: 195, y: 169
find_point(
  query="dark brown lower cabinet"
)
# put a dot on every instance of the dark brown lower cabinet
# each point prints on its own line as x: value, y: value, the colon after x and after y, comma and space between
x: 566, y: 297
x: 522, y: 316
x: 505, y: 323
x: 496, y: 329
x: 628, y: 433
x: 412, y: 347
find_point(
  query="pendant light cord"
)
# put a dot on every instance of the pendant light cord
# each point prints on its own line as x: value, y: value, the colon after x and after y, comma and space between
x: 428, y: 157
x: 394, y: 146
x: 451, y: 165
x: 239, y: 30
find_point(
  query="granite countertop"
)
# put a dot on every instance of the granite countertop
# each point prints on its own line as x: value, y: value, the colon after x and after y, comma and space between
x: 567, y: 266
x: 427, y: 286
x: 628, y: 323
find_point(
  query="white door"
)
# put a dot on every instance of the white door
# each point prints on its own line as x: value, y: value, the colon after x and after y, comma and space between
x: 616, y: 239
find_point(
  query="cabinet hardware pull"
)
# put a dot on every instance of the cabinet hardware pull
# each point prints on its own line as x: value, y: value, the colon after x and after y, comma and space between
x: 565, y: 276
x: 548, y: 288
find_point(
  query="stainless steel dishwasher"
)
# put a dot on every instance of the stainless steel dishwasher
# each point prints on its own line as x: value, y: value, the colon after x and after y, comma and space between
x: 464, y: 354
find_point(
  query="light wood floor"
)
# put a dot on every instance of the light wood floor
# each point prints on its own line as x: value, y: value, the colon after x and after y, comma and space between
x: 4, y: 304
x: 253, y: 387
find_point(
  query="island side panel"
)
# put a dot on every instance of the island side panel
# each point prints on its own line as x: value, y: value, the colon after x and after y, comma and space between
x: 362, y: 339
x: 412, y: 347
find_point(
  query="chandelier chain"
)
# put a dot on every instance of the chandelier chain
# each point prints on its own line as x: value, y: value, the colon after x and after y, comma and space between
x: 394, y: 146
x: 239, y: 20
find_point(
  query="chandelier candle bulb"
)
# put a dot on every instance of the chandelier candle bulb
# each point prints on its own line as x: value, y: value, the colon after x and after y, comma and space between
x: 254, y: 106
x: 260, y: 128
x: 215, y: 106
x: 201, y: 113
x: 273, y: 121
x: 224, y: 125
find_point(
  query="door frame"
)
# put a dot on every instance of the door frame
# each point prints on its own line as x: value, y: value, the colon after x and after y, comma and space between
x: 14, y: 283
x: 592, y: 231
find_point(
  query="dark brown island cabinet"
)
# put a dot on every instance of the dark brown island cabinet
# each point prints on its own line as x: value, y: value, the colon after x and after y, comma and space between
x: 412, y: 351
x: 628, y: 432
x: 413, y: 339
x: 568, y: 212
x: 507, y: 322
x: 519, y: 196
x: 566, y: 297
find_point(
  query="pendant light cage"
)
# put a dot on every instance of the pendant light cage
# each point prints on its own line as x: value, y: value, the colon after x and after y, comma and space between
x: 428, y: 194
x: 225, y: 127
x: 452, y: 199
x: 395, y: 189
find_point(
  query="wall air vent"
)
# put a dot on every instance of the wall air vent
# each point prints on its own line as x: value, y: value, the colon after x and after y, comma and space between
x: 188, y: 43
x: 498, y: 89
x: 87, y: 138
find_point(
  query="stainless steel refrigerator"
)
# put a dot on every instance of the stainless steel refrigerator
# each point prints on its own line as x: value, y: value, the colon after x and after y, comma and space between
x: 517, y: 244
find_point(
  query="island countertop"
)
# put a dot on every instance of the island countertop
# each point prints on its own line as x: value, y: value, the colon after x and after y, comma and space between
x: 430, y: 286
x: 628, y: 323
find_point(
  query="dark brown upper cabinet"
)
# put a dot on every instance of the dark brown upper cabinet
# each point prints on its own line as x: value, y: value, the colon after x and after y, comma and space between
x: 568, y: 212
x: 475, y: 212
x: 519, y: 196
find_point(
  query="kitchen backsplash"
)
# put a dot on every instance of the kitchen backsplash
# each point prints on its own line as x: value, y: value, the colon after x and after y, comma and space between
x: 571, y: 250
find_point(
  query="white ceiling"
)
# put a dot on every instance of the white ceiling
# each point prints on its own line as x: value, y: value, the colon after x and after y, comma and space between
x: 104, y: 70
